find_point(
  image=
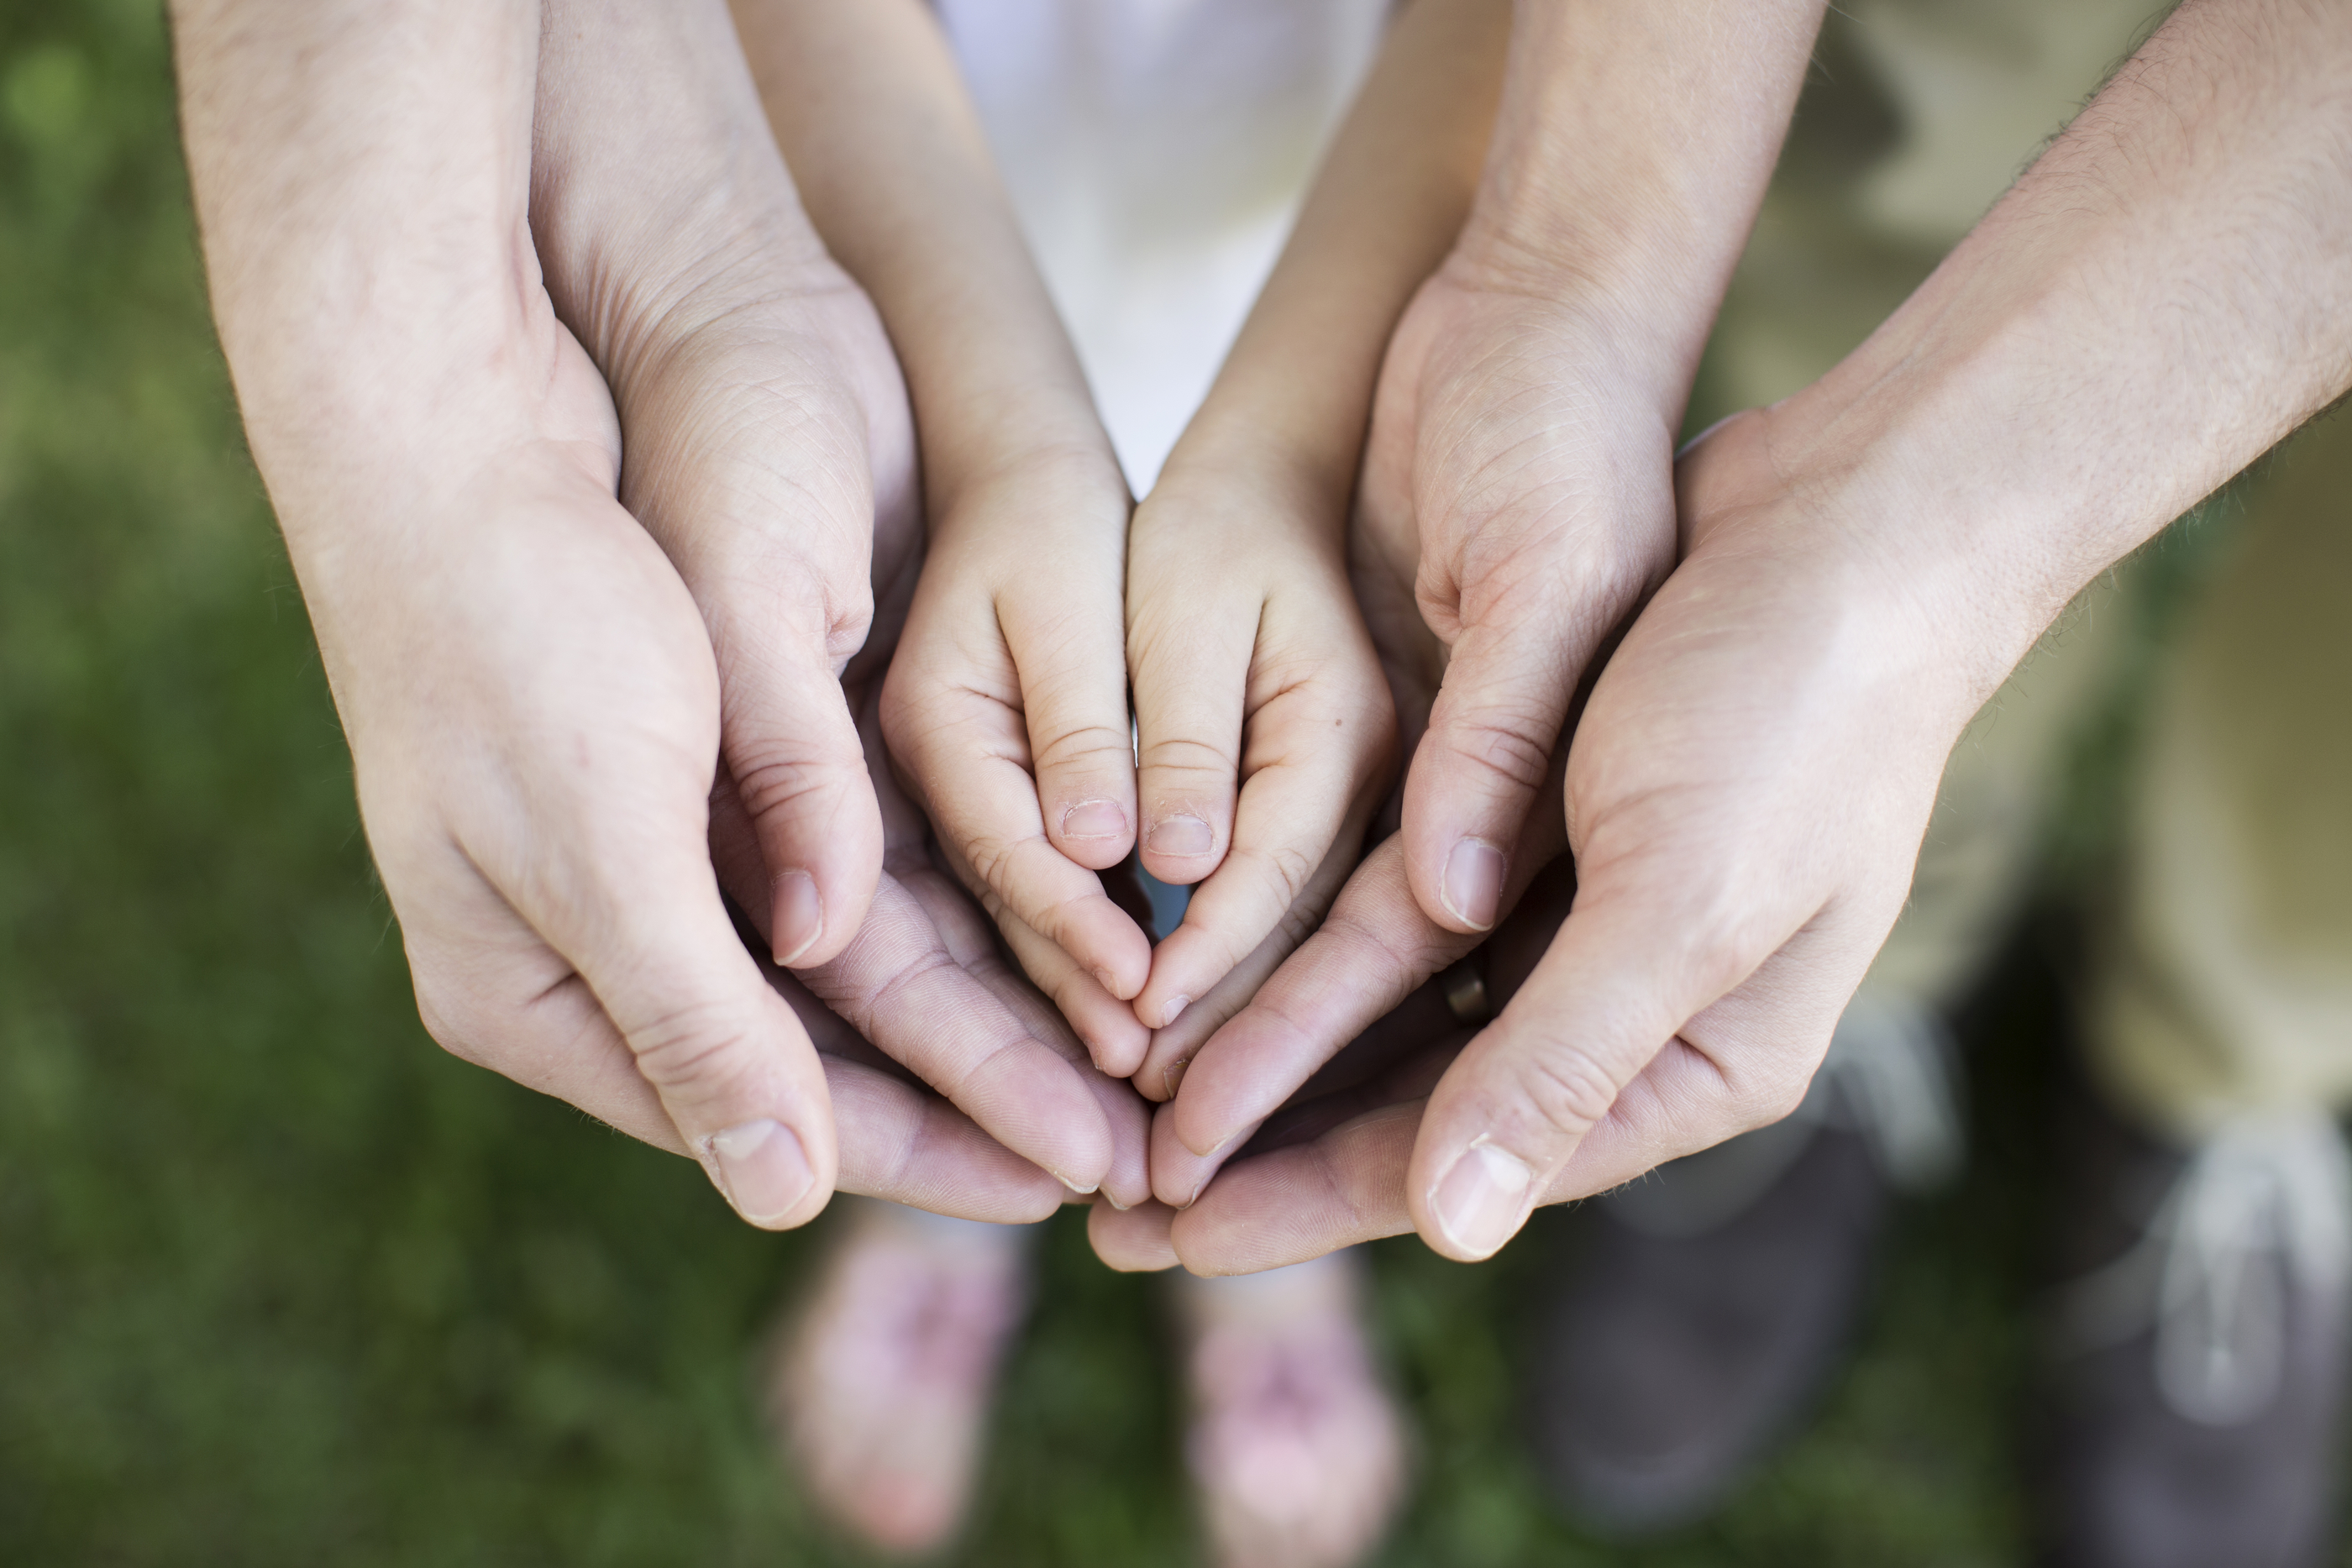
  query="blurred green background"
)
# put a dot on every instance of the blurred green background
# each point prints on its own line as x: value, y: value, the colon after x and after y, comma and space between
x: 281, y: 1283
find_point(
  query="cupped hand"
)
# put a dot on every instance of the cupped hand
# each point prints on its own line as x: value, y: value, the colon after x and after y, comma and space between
x: 533, y: 714
x: 767, y: 447
x: 1746, y: 791
x: 924, y: 983
x: 1519, y: 485
x: 1267, y: 736
x: 1005, y: 710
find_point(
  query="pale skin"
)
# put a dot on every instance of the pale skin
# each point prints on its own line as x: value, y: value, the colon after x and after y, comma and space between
x: 537, y: 684
x: 2163, y: 296
x: 1515, y: 503
x: 1006, y: 706
x: 1266, y: 726
x: 1263, y: 725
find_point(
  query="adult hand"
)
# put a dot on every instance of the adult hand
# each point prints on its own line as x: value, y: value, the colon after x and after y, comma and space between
x: 1775, y: 685
x: 1517, y: 474
x: 529, y: 690
x: 1863, y: 564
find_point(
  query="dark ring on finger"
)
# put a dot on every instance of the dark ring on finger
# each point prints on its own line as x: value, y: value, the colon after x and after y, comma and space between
x: 1465, y: 986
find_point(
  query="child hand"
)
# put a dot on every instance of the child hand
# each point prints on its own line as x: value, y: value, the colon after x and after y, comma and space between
x: 1005, y: 711
x: 1266, y: 727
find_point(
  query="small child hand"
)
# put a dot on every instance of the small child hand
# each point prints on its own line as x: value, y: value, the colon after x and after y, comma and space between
x: 1006, y: 711
x: 1266, y: 730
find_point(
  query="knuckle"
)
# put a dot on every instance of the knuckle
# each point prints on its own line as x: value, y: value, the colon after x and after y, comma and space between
x: 687, y: 1045
x: 772, y: 780
x: 1169, y: 757
x: 1778, y: 1099
x: 1413, y: 960
x: 990, y: 860
x: 1281, y: 872
x: 456, y: 1024
x: 1083, y: 747
x: 1515, y: 746
x: 1569, y: 1088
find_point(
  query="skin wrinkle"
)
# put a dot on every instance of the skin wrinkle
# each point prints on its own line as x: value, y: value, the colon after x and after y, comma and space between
x: 439, y: 830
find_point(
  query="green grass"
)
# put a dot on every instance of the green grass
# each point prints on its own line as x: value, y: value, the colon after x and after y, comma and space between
x: 281, y: 1283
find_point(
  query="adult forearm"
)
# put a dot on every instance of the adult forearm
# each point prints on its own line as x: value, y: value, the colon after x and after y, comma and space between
x: 1387, y: 205
x: 1631, y: 150
x: 360, y: 172
x: 2164, y: 295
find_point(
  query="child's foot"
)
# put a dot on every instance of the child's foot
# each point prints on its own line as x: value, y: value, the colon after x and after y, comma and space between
x: 1297, y: 1448
x: 880, y: 1388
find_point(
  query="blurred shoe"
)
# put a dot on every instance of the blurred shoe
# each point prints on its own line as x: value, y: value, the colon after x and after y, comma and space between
x: 2198, y: 1350
x: 1711, y: 1301
x: 1296, y: 1448
x: 879, y: 1390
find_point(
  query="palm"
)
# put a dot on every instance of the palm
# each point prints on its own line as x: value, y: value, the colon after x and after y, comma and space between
x: 1517, y: 506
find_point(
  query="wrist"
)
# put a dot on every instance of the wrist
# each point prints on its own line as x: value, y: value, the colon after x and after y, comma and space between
x: 1630, y: 153
x: 1233, y: 464
x: 1060, y: 482
x: 1940, y: 470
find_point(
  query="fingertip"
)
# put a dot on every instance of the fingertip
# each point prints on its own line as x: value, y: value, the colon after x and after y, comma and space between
x: 1472, y: 886
x: 1115, y: 1039
x: 1096, y: 833
x: 1132, y: 1241
x: 762, y: 1168
x: 796, y: 917
x: 1479, y: 1201
x: 1127, y: 1181
x: 1122, y: 963
x: 1184, y: 844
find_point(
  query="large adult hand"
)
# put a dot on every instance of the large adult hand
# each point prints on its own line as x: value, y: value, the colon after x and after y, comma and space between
x: 1747, y: 790
x: 1517, y: 492
x: 1864, y: 563
x: 1521, y: 443
x: 528, y: 688
x: 766, y: 436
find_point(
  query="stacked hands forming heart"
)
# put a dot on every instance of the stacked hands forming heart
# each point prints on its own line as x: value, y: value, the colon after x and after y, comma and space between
x: 1543, y: 796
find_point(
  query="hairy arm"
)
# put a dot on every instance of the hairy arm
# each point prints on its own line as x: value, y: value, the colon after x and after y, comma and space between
x: 2165, y: 294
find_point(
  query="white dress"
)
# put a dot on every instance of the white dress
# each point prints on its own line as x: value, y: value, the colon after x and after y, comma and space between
x: 1156, y: 151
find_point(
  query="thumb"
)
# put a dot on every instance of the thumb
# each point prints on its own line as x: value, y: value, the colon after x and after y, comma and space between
x: 792, y: 748
x: 1481, y: 763
x: 1622, y: 980
x: 734, y: 1068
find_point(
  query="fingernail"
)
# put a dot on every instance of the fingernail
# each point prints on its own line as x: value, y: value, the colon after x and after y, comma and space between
x: 1087, y: 1191
x: 763, y: 1170
x: 1175, y: 1075
x: 1184, y: 836
x: 1095, y: 820
x: 799, y: 917
x: 1473, y: 882
x: 1115, y: 1203
x: 1479, y: 1202
x: 1173, y: 1010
